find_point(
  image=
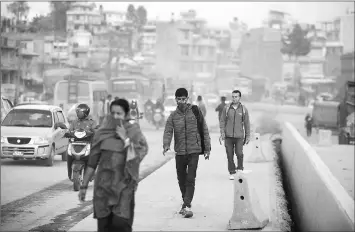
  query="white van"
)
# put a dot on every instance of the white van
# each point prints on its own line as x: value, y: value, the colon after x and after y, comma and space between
x: 68, y: 93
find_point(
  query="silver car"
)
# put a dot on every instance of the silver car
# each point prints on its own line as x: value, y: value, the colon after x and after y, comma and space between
x: 34, y: 131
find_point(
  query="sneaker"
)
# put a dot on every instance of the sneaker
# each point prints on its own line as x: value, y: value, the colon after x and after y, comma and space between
x: 231, y: 177
x: 181, y: 211
x: 187, y: 212
x: 244, y: 171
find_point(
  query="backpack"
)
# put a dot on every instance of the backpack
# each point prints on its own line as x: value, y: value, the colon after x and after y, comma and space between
x: 243, y: 116
x: 200, y: 121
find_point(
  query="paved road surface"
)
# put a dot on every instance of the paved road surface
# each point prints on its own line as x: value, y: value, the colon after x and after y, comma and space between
x: 40, y: 197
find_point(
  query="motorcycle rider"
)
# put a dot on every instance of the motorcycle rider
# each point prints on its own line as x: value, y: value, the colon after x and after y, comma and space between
x: 82, y: 122
x: 148, y: 106
x: 134, y: 106
x: 159, y: 105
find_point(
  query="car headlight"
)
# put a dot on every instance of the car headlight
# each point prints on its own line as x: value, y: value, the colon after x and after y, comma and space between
x: 40, y: 140
x: 3, y: 139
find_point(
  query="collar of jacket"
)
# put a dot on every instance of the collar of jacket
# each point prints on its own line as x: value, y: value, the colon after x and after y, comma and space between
x: 188, y: 107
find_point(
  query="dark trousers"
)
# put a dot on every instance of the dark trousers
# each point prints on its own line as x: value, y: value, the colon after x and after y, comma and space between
x: 186, y: 167
x: 70, y: 160
x: 113, y: 223
x: 309, y: 131
x: 234, y: 145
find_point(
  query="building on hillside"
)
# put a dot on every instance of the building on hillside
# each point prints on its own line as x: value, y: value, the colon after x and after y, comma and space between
x: 260, y: 54
x: 148, y: 37
x: 114, y: 18
x: 79, y: 50
x: 183, y: 53
x: 83, y: 16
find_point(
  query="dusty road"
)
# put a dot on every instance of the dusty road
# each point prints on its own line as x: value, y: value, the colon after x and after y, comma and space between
x: 36, y: 198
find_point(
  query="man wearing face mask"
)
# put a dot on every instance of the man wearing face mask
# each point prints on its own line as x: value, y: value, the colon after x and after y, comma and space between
x: 192, y: 139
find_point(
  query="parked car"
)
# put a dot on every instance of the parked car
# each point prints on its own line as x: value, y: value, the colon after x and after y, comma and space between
x: 34, y: 131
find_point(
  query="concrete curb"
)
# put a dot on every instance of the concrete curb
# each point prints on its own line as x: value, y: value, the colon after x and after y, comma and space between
x: 325, y: 205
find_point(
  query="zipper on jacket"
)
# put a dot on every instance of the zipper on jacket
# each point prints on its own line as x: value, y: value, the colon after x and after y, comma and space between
x: 185, y: 133
x: 235, y: 111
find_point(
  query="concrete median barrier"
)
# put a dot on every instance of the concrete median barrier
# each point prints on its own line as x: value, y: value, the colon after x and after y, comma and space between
x: 319, y: 200
x: 272, y: 108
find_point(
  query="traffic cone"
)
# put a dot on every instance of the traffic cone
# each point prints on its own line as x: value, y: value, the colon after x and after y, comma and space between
x: 256, y: 155
x: 247, y: 213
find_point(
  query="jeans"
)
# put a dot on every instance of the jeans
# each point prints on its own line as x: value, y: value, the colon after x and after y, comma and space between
x: 186, y: 167
x: 234, y: 145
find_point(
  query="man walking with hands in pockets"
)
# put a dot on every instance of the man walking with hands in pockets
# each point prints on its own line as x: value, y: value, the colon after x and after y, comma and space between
x: 192, y: 139
x: 235, y: 131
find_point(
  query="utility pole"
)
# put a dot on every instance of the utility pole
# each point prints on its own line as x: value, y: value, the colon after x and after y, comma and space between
x: 19, y: 73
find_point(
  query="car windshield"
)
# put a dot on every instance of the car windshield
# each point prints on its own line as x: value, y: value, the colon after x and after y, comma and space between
x: 28, y: 118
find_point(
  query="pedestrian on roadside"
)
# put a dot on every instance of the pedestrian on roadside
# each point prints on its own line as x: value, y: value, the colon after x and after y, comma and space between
x: 220, y: 107
x: 117, y: 150
x: 308, y: 124
x: 192, y: 139
x: 101, y: 111
x: 107, y: 104
x: 202, y: 106
x: 235, y: 131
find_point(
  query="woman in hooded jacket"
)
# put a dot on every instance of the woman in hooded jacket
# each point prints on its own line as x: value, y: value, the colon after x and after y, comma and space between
x: 118, y: 148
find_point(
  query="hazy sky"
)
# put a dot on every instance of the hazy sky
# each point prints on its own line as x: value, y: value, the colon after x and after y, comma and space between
x: 219, y: 14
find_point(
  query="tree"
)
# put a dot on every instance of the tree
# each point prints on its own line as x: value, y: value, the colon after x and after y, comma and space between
x: 41, y: 23
x: 131, y: 13
x: 59, y: 14
x: 296, y: 44
x: 141, y: 16
x: 20, y: 9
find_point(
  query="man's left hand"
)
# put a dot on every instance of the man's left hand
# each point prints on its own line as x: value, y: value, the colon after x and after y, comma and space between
x: 247, y: 140
x: 207, y: 155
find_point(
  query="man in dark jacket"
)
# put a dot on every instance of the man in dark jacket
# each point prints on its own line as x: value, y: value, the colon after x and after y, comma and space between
x: 183, y: 124
x: 234, y: 122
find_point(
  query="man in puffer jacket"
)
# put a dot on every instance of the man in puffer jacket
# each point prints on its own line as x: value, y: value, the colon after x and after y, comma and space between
x: 192, y: 139
x: 234, y: 122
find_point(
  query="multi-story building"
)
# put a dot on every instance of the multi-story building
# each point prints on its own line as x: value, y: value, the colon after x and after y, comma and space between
x: 260, y: 54
x: 9, y: 59
x: 340, y: 40
x: 184, y: 54
x: 79, y: 49
x: 114, y: 18
x: 84, y: 17
x: 148, y: 37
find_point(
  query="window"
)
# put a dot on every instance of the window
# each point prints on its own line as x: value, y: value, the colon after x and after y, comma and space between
x: 76, y: 26
x: 184, y: 50
x: 185, y: 34
x: 60, y: 116
x: 28, y: 118
x: 211, y: 51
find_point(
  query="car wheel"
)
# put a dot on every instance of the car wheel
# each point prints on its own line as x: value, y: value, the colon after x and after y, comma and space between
x: 50, y: 160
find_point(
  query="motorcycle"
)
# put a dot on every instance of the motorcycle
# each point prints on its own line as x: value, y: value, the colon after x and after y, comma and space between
x: 134, y: 115
x: 79, y: 148
x: 158, y: 118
